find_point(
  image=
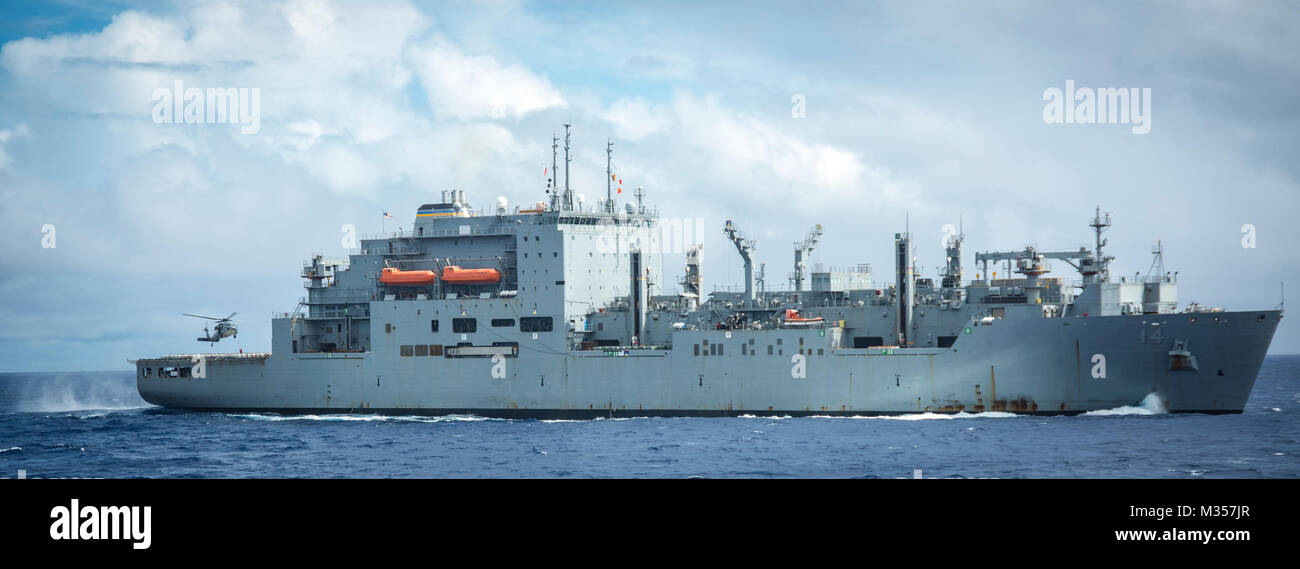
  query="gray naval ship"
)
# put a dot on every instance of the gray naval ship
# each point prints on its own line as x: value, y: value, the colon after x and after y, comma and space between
x: 560, y: 309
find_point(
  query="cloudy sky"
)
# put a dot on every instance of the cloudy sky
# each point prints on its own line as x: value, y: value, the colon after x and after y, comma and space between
x: 919, y: 113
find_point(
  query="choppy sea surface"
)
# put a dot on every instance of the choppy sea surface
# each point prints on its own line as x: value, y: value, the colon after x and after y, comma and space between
x: 94, y: 425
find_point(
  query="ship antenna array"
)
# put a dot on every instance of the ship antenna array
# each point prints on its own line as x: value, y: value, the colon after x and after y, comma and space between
x: 551, y: 186
x: 1100, y: 225
x: 609, y: 175
x: 1157, y: 262
x: 568, y: 194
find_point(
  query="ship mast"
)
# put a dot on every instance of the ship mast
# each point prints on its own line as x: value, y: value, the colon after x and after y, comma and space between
x: 568, y: 194
x: 1100, y: 225
x: 609, y: 175
x: 551, y: 186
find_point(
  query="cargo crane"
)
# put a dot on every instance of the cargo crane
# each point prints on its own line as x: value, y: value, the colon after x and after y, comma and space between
x: 801, y: 253
x: 691, y: 281
x: 1093, y: 265
x: 746, y: 249
x: 1029, y: 261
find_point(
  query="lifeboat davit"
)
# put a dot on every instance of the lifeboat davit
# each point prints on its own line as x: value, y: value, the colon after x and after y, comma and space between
x: 456, y: 275
x: 398, y: 277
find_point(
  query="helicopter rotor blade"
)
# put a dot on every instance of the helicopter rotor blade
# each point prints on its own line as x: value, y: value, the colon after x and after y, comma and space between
x: 200, y: 316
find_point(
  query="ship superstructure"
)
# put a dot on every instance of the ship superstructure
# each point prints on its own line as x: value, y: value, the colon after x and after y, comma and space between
x: 563, y: 309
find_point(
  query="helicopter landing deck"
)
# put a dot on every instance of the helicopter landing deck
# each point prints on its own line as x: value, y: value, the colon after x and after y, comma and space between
x: 184, y: 365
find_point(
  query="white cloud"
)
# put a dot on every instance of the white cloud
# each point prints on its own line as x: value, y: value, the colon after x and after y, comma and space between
x: 312, y: 20
x: 635, y: 118
x: 305, y: 134
x: 6, y: 135
x: 765, y: 156
x: 477, y: 86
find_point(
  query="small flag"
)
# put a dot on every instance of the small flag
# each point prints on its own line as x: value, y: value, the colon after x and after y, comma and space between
x: 386, y: 214
x: 611, y: 176
x: 545, y: 170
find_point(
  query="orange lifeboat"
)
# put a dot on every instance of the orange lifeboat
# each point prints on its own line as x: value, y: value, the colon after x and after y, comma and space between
x: 398, y: 277
x: 793, y: 318
x: 456, y: 275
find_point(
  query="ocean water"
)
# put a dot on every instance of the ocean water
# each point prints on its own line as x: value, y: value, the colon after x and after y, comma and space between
x: 94, y: 425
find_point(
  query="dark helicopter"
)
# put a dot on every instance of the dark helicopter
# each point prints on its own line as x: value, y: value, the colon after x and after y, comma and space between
x: 225, y: 328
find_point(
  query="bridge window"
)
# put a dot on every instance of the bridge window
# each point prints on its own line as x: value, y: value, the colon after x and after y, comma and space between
x: 148, y: 372
x: 464, y: 325
x: 503, y: 322
x: 433, y: 325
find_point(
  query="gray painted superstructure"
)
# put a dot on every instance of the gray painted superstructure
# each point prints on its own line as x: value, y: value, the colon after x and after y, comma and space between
x: 581, y: 323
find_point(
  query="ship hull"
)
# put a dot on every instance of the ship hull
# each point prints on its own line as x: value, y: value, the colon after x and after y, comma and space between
x: 1032, y: 366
